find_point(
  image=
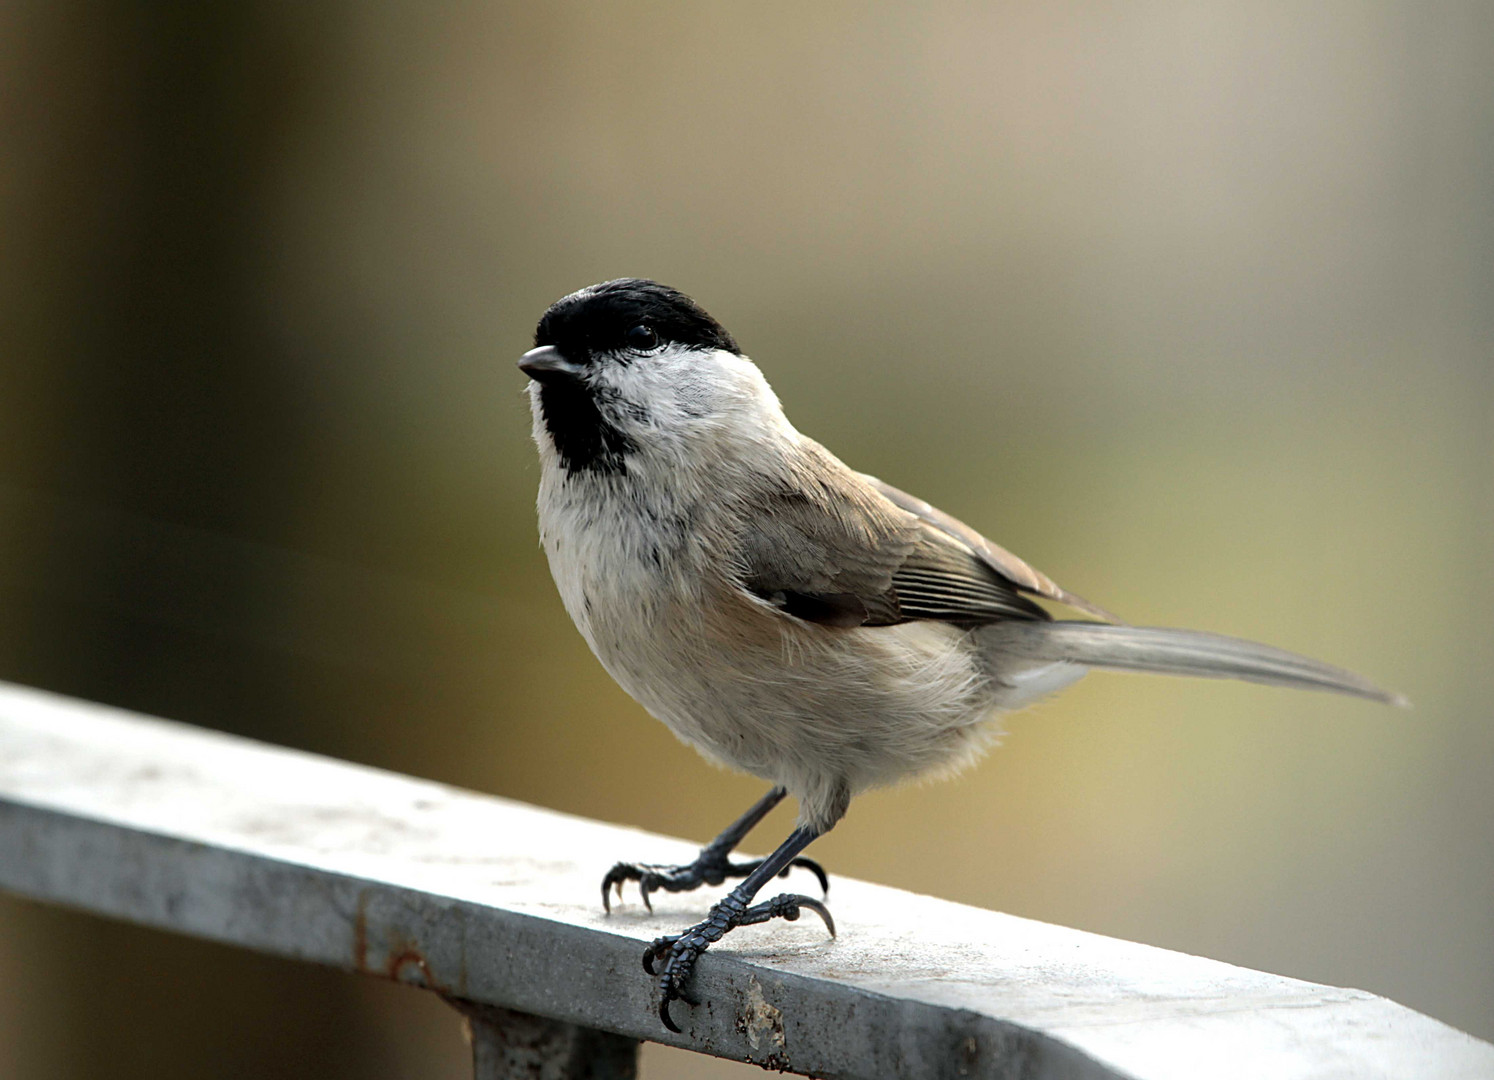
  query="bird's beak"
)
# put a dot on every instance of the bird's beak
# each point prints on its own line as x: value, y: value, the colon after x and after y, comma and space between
x: 547, y: 365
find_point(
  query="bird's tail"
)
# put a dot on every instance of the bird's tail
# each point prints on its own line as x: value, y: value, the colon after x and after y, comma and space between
x: 1178, y: 652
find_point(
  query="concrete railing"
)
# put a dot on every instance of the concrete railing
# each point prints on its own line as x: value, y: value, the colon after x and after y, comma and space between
x: 494, y: 905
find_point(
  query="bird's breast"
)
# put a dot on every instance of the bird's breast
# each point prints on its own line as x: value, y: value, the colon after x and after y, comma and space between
x: 623, y: 557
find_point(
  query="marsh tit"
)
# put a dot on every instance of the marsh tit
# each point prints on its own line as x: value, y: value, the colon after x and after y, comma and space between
x: 782, y: 613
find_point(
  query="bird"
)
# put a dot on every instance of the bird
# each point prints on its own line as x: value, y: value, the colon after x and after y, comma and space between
x: 782, y: 613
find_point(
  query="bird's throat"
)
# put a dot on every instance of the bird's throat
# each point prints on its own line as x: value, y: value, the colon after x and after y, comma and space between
x: 584, y: 438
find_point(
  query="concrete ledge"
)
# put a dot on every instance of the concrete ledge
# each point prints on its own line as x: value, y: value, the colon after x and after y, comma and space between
x: 497, y: 902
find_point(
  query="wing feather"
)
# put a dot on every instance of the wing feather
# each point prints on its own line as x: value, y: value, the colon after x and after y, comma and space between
x: 1019, y: 573
x: 839, y: 548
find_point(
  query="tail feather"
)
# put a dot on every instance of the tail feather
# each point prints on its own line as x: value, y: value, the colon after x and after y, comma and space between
x: 1181, y: 652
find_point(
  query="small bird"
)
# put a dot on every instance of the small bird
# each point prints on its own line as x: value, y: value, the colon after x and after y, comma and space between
x: 782, y: 613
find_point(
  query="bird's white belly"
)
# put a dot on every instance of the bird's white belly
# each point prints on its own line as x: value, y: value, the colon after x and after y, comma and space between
x: 826, y: 712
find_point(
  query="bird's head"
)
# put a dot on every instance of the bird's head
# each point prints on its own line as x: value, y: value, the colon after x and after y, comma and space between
x: 631, y: 366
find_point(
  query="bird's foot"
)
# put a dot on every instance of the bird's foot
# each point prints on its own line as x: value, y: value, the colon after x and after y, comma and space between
x: 677, y: 953
x: 711, y: 868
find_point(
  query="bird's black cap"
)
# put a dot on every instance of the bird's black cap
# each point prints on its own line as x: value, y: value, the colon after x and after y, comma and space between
x: 597, y: 319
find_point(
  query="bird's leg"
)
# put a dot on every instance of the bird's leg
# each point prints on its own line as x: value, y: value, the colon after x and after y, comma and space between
x: 712, y: 867
x: 677, y: 953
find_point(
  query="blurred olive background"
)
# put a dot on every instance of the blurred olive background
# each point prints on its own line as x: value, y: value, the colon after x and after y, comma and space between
x: 1190, y: 304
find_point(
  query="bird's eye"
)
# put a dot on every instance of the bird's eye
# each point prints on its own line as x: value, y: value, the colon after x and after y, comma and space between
x: 642, y: 339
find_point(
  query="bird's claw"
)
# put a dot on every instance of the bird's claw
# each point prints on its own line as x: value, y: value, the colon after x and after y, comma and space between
x: 648, y: 876
x: 679, y: 952
x: 791, y: 912
x: 710, y: 868
x: 656, y: 949
x: 808, y: 864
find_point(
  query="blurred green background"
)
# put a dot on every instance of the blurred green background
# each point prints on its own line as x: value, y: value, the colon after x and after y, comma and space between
x: 1189, y: 304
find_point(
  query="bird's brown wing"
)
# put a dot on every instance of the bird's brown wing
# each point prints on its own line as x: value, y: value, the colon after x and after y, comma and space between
x: 834, y: 547
x: 1024, y: 577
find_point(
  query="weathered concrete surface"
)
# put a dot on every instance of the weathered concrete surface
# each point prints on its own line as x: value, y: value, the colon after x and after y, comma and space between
x: 497, y: 902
